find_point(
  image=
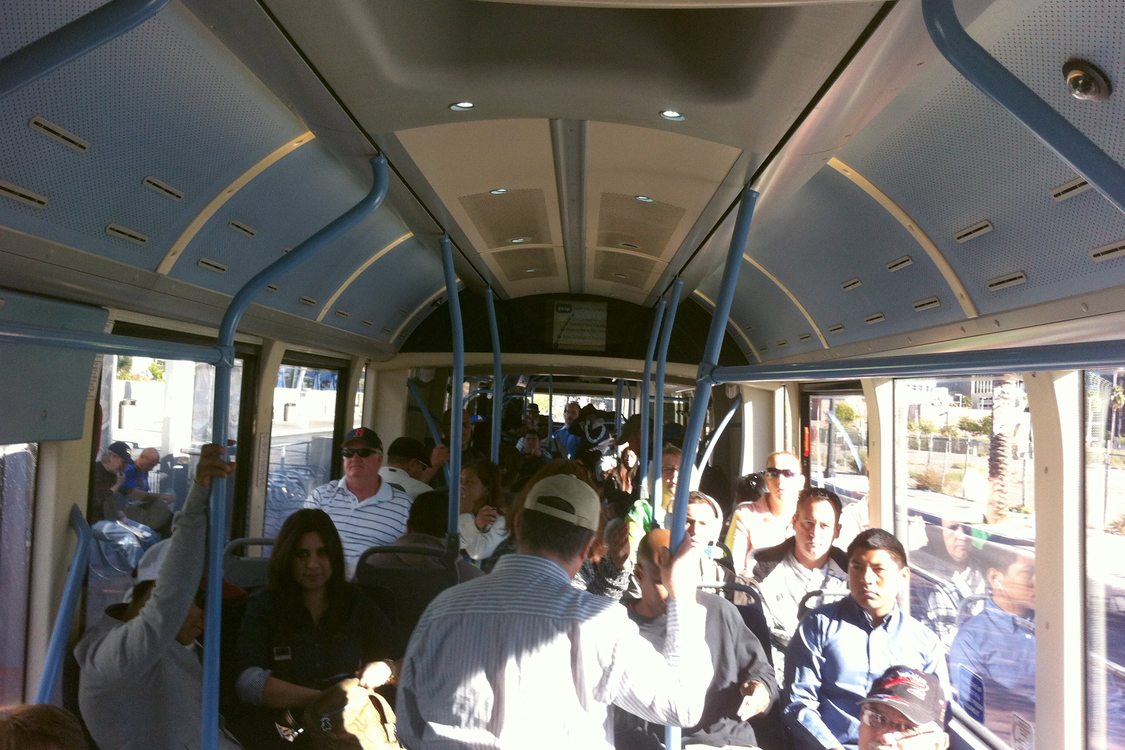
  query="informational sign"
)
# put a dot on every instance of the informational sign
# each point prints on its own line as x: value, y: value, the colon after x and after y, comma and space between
x: 1023, y: 733
x: 973, y: 703
x: 579, y: 325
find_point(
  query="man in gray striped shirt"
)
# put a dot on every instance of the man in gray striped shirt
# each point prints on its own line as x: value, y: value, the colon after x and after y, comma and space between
x: 521, y: 659
x: 367, y: 511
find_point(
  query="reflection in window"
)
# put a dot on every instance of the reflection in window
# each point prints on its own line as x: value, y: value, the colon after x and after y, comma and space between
x: 17, y: 495
x: 1105, y: 551
x: 964, y: 499
x: 838, y: 456
x: 304, y: 419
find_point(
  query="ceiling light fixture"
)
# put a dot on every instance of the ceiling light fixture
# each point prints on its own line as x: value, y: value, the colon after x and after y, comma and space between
x: 645, y: 199
x: 498, y: 191
x: 620, y: 275
x: 461, y: 106
x: 671, y: 114
x: 517, y: 240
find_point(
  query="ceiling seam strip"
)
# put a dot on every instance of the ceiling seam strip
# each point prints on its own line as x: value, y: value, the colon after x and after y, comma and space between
x: 201, y: 219
x: 426, y: 303
x: 732, y: 326
x: 792, y: 298
x: 357, y: 273
x: 911, y: 226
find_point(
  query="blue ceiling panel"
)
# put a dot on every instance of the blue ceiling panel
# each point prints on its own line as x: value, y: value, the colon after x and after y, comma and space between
x: 832, y: 233
x: 180, y: 109
x: 416, y: 272
x: 980, y: 164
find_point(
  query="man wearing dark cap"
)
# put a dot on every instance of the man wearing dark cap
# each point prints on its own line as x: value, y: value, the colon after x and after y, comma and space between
x: 367, y: 511
x: 407, y: 460
x: 905, y: 709
x: 520, y: 658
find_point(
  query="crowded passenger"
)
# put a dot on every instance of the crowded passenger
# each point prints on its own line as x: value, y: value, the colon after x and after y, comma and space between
x: 426, y: 527
x: 406, y: 463
x: 703, y: 524
x: 840, y: 646
x: 136, y: 655
x: 565, y: 442
x: 804, y: 563
x: 642, y: 516
x: 40, y: 726
x: 520, y: 657
x: 766, y: 522
x: 951, y: 558
x: 308, y: 629
x: 743, y: 684
x: 482, y: 522
x: 367, y: 511
x: 904, y: 710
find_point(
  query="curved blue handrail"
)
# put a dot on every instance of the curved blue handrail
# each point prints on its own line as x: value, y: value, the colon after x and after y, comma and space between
x: 457, y: 406
x: 497, y: 378
x: 56, y: 646
x: 216, y: 521
x: 658, y: 403
x: 646, y: 384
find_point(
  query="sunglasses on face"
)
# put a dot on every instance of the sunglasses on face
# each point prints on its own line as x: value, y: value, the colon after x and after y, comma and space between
x: 361, y: 452
x: 881, y: 723
x: 775, y: 472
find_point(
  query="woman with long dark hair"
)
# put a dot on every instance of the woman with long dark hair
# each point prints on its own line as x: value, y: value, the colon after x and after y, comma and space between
x: 309, y: 628
x: 482, y: 523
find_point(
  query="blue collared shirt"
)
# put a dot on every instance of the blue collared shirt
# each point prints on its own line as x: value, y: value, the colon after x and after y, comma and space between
x: 835, y: 656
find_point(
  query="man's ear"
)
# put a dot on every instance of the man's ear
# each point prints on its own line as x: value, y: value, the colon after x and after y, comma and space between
x: 587, y: 550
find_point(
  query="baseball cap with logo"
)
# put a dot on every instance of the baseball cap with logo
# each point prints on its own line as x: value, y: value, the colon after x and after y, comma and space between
x: 916, y: 695
x: 365, y: 435
x: 567, y: 498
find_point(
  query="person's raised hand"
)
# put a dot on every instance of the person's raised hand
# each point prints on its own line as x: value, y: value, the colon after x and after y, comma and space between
x: 681, y: 572
x: 211, y: 465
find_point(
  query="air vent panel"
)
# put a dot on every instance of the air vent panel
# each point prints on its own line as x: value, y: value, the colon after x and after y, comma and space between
x: 979, y: 229
x: 874, y: 318
x: 928, y: 303
x: 1068, y: 190
x: 58, y: 134
x: 211, y: 265
x: 163, y: 188
x: 851, y: 284
x: 1006, y: 281
x: 238, y: 226
x: 836, y: 328
x: 900, y: 263
x: 307, y: 301
x: 23, y: 195
x: 1108, y: 252
x: 125, y: 233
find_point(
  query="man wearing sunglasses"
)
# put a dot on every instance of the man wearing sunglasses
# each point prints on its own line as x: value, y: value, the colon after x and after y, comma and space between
x: 367, y: 511
x: 904, y: 710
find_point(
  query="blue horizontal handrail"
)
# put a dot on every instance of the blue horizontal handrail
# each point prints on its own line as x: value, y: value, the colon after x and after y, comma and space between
x: 104, y: 343
x: 73, y: 40
x: 56, y: 646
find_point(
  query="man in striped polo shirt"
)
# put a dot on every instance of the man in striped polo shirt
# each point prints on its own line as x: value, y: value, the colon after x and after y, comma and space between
x: 367, y: 511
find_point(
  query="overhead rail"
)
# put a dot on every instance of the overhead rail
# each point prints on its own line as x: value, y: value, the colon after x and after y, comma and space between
x: 75, y: 39
x: 497, y: 378
x: 216, y: 520
x: 713, y: 439
x: 457, y: 406
x: 658, y: 403
x: 646, y: 384
x: 56, y: 646
x: 994, y: 80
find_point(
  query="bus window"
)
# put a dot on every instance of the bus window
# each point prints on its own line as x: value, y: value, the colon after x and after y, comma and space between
x: 304, y: 419
x: 838, y: 455
x: 965, y: 508
x: 1105, y: 542
x: 17, y: 495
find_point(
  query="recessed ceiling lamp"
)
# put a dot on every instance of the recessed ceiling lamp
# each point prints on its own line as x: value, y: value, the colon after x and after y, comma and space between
x: 629, y: 245
x: 517, y: 240
x: 529, y: 270
x: 645, y: 199
x: 498, y: 191
x: 461, y: 106
x: 673, y: 115
x: 620, y: 275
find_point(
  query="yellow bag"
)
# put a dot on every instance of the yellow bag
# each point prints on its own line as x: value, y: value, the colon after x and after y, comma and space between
x: 347, y: 716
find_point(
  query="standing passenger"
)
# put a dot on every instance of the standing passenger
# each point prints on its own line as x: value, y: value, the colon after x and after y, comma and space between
x: 839, y: 647
x: 367, y: 511
x: 522, y: 659
x: 140, y: 686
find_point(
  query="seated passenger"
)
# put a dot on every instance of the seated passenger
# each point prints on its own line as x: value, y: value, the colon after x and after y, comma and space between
x: 641, y: 518
x: 40, y: 726
x: 703, y: 524
x: 426, y: 526
x: 806, y: 562
x: 367, y: 511
x: 407, y: 462
x: 521, y: 659
x: 955, y: 564
x: 481, y: 523
x: 904, y: 710
x: 743, y: 685
x: 840, y: 646
x: 997, y: 646
x: 766, y: 522
x: 308, y: 629
x: 135, y: 656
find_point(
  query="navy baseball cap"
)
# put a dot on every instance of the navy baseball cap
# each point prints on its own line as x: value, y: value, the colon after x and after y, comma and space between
x: 914, y: 694
x: 121, y: 449
x: 365, y: 435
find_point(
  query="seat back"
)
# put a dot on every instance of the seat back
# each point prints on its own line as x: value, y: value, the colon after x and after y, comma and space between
x: 748, y: 600
x: 404, y: 590
x: 246, y: 572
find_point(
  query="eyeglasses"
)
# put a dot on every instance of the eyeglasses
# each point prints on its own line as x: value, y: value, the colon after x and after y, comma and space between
x: 775, y: 472
x: 880, y: 722
x: 361, y: 452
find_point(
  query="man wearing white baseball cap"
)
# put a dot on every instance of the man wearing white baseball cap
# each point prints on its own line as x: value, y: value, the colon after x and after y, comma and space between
x: 520, y: 656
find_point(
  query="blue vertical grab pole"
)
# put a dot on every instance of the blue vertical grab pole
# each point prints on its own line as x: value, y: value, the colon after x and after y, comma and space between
x: 617, y: 408
x: 427, y: 417
x: 646, y: 383
x: 457, y: 406
x: 658, y: 403
x: 710, y: 360
x: 1056, y: 132
x: 56, y: 646
x: 216, y: 520
x: 497, y: 378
